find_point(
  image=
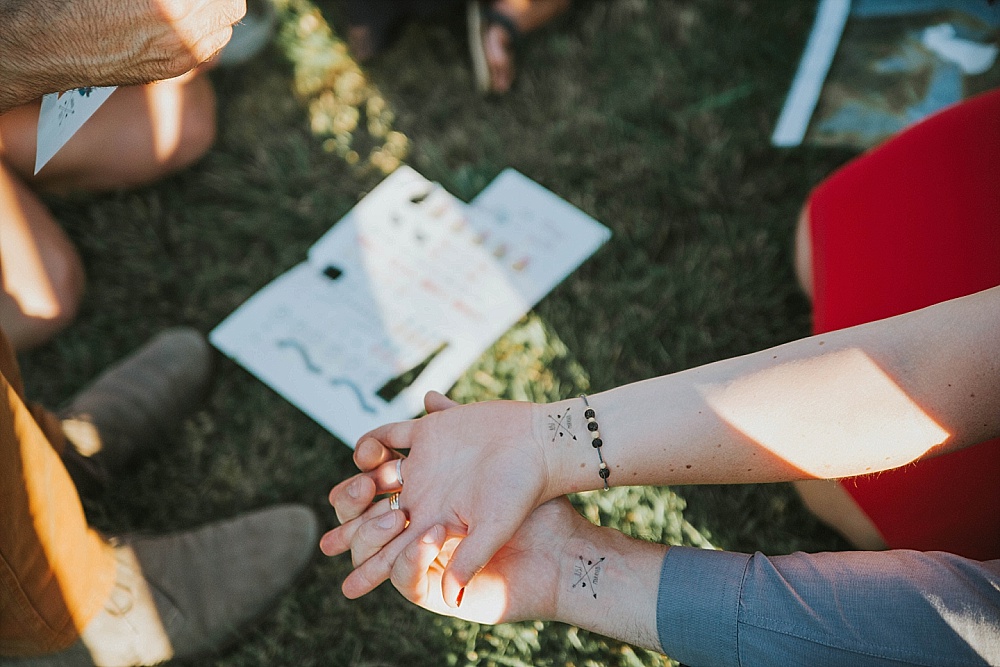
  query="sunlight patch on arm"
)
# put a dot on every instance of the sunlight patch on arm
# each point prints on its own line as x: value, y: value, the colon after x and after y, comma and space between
x: 835, y: 415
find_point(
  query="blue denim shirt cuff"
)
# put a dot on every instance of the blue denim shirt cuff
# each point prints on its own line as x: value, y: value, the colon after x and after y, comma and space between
x: 697, y: 605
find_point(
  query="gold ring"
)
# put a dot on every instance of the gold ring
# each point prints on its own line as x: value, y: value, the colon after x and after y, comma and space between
x: 394, y: 501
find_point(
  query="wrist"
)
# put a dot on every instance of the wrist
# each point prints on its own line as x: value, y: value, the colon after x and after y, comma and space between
x: 608, y: 584
x: 574, y: 441
x: 562, y: 438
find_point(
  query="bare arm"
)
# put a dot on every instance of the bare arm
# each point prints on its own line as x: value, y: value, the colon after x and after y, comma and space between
x: 55, y: 45
x: 702, y: 607
x: 860, y: 400
x: 855, y: 401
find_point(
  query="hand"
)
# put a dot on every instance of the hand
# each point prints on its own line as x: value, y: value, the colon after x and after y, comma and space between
x: 354, y: 499
x: 535, y: 575
x: 477, y: 470
x: 521, y: 582
x: 55, y: 45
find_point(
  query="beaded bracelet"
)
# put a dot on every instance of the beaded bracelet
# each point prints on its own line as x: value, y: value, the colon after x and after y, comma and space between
x: 595, y: 440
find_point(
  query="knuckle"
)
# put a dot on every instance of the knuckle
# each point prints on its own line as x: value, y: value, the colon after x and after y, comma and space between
x: 346, y: 507
x: 235, y: 10
x: 369, y: 576
x: 410, y: 559
x: 180, y: 62
x: 207, y: 47
x: 382, y: 562
x: 175, y: 11
x: 338, y: 541
x: 362, y: 580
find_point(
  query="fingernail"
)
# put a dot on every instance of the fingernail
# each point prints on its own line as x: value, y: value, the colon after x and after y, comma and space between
x: 354, y: 489
x: 461, y: 594
x: 387, y: 521
x: 430, y: 536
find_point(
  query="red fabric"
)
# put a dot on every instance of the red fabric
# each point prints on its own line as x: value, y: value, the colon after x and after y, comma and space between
x: 915, y: 222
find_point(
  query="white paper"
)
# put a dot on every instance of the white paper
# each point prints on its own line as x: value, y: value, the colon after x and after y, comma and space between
x: 536, y: 226
x: 411, y: 278
x: 831, y: 17
x: 61, y: 115
x: 973, y: 57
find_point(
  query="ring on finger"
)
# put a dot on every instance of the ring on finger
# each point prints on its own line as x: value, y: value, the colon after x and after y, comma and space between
x: 394, y: 501
x: 399, y: 471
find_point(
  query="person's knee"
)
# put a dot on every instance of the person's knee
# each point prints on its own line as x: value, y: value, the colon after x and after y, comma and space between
x: 197, y: 124
x: 66, y: 284
x: 181, y: 125
x: 803, y: 253
x: 32, y: 315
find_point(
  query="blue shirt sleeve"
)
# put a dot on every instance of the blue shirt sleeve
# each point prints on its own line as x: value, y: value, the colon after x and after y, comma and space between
x: 717, y: 608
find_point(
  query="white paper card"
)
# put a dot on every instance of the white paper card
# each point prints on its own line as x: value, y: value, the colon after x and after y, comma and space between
x: 402, y: 295
x: 831, y: 18
x: 61, y: 115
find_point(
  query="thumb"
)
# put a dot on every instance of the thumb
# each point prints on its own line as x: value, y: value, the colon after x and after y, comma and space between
x: 470, y: 556
x: 436, y: 402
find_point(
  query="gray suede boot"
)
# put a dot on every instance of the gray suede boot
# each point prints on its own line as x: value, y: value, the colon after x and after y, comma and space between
x: 187, y: 594
x: 135, y: 405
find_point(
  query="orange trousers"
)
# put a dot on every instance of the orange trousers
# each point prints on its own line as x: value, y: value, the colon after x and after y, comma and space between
x: 55, y: 571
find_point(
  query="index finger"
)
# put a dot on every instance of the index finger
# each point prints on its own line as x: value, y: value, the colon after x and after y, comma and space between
x: 352, y: 497
x: 370, y: 453
x: 397, y: 435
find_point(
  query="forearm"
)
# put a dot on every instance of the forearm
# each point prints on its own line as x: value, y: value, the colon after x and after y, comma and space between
x: 850, y: 402
x: 607, y: 584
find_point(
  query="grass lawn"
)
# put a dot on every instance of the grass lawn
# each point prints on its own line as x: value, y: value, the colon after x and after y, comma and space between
x: 653, y: 116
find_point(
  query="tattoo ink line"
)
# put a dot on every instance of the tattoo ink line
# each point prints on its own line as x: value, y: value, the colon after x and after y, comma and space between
x: 587, y: 572
x: 561, y: 425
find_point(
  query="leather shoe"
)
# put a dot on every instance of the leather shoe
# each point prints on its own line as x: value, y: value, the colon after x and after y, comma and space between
x: 135, y: 405
x: 183, y: 595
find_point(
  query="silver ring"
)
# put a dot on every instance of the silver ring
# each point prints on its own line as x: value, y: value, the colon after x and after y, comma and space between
x: 399, y: 471
x: 394, y: 501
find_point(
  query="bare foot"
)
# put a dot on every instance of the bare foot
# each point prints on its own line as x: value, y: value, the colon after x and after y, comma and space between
x: 499, y: 58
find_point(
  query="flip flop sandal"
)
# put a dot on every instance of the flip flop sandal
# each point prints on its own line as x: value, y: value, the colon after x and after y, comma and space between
x: 478, y: 20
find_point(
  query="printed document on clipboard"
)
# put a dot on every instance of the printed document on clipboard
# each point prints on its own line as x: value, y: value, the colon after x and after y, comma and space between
x: 403, y: 294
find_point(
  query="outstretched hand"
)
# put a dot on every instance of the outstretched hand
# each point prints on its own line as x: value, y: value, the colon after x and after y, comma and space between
x: 477, y: 471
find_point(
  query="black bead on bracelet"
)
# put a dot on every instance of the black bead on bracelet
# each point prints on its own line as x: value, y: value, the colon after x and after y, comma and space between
x: 595, y: 440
